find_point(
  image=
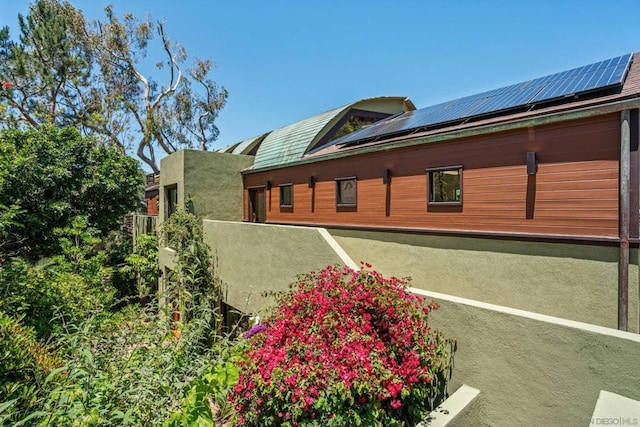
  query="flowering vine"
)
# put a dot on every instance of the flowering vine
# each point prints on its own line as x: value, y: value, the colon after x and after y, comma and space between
x: 343, y: 348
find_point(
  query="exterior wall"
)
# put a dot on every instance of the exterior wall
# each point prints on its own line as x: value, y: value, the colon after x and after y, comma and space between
x: 529, y: 371
x: 571, y: 281
x: 535, y: 373
x: 256, y: 258
x: 172, y: 173
x: 214, y: 183
x: 153, y: 207
x: 574, y: 193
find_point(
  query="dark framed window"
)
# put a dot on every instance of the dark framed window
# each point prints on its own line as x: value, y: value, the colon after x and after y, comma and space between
x: 171, y: 192
x: 286, y: 195
x: 445, y: 185
x: 347, y: 191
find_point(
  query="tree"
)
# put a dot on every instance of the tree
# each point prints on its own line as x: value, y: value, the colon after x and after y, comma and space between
x: 168, y: 116
x: 67, y: 71
x: 47, y: 72
x: 54, y: 175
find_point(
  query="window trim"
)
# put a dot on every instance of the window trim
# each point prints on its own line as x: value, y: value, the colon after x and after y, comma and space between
x: 346, y: 178
x: 429, y: 171
x: 168, y: 202
x: 281, y: 186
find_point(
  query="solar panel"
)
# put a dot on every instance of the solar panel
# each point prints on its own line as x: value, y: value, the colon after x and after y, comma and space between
x: 597, y: 76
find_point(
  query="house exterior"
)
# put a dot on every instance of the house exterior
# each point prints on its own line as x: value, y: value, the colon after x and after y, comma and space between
x: 516, y: 209
x: 152, y: 194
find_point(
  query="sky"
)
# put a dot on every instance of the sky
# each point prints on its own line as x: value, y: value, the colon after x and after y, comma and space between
x: 282, y: 61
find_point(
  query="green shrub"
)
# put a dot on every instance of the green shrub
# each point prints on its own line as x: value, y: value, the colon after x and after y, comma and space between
x: 142, y: 266
x: 24, y: 365
x: 126, y: 368
x: 205, y: 403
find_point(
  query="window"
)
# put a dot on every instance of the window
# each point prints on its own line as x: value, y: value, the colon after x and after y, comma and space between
x: 286, y: 195
x: 346, y: 191
x: 445, y: 185
x: 172, y: 200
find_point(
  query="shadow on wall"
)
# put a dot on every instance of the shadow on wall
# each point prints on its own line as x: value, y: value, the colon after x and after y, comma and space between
x: 556, y: 250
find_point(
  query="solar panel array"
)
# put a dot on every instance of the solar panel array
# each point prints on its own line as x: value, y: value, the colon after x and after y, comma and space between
x: 598, y: 76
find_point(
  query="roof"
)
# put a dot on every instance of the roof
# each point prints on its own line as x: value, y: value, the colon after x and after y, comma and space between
x: 246, y: 146
x: 290, y: 143
x: 630, y: 89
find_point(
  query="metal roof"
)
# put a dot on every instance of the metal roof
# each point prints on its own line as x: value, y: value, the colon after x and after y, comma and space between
x: 228, y: 148
x: 289, y: 144
x: 248, y: 144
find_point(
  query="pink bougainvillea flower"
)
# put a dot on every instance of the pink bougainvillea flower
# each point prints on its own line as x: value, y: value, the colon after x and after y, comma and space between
x: 342, y: 344
x: 7, y: 85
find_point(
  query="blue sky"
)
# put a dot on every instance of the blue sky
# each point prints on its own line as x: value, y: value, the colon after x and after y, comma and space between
x: 282, y: 61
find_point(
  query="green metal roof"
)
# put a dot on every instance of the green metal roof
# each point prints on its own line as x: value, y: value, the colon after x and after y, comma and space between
x: 248, y: 144
x: 289, y: 144
x: 228, y: 148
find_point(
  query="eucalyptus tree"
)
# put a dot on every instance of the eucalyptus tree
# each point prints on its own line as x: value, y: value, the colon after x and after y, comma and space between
x: 99, y: 77
x: 178, y: 112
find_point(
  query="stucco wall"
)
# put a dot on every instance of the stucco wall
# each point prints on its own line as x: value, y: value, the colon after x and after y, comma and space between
x: 577, y: 282
x: 214, y: 183
x: 255, y: 258
x: 212, y: 180
x: 529, y: 371
x: 171, y: 173
x: 534, y: 373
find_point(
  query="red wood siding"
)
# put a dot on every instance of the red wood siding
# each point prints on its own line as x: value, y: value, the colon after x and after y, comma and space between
x: 152, y: 206
x: 574, y: 193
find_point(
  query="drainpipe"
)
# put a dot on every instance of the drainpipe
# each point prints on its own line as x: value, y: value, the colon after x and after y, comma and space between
x: 623, y: 267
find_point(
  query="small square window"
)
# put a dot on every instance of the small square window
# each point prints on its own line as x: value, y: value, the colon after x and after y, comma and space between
x: 346, y: 191
x: 286, y: 195
x: 445, y: 185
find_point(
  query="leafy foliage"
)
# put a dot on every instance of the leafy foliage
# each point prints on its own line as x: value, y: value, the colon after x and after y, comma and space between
x: 205, y: 404
x: 57, y: 291
x: 113, y: 368
x: 125, y: 369
x: 193, y: 283
x: 344, y: 348
x: 142, y: 265
x: 54, y: 175
x: 25, y: 364
x: 68, y: 72
x: 48, y: 69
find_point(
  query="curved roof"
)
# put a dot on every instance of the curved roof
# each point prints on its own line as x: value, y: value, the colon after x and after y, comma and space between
x: 247, y: 145
x: 228, y: 148
x: 288, y: 144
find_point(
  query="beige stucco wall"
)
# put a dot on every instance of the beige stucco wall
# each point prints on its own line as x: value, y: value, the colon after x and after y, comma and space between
x: 256, y: 258
x: 171, y: 173
x: 211, y: 180
x: 534, y: 373
x: 529, y: 371
x: 214, y: 183
x: 577, y: 282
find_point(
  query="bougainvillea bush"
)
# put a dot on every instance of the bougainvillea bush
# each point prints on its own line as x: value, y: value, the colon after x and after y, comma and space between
x: 343, y: 348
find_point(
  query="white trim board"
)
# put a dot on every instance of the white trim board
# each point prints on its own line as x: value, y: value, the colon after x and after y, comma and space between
x: 531, y: 315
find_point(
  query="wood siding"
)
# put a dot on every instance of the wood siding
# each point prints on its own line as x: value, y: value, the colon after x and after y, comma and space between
x: 574, y: 193
x: 152, y: 206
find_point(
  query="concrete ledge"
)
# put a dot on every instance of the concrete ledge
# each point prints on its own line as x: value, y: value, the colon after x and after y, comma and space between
x: 614, y: 409
x: 530, y: 315
x: 451, y: 408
